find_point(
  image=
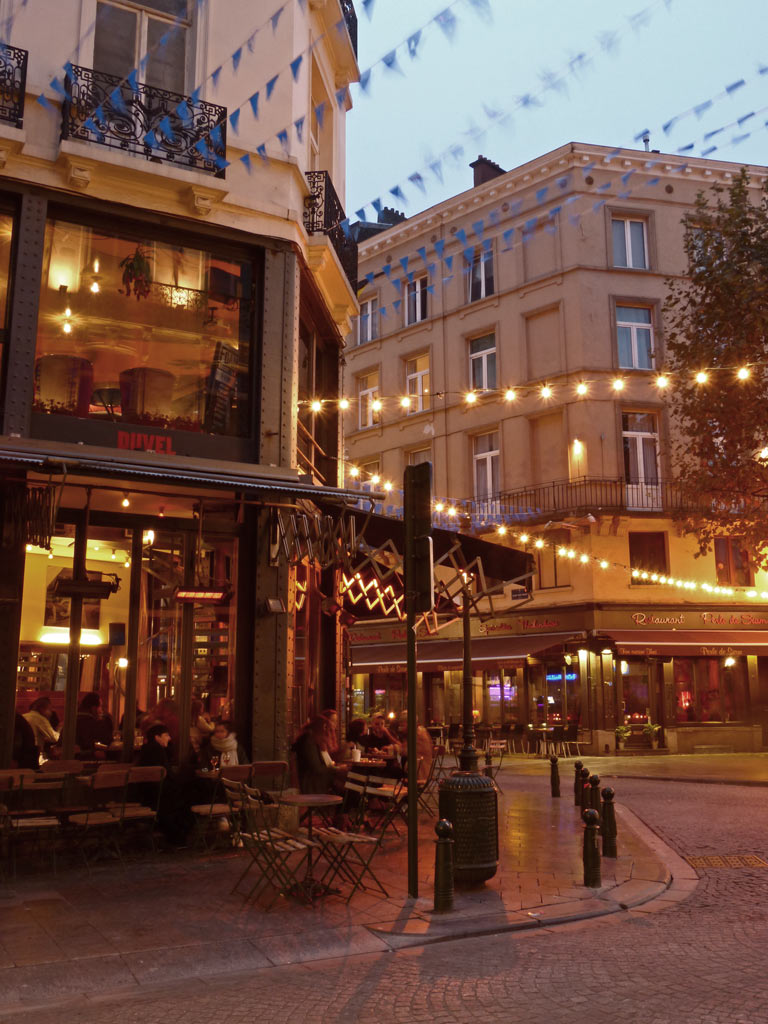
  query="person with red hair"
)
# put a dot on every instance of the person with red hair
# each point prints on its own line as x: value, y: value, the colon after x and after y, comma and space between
x: 317, y: 772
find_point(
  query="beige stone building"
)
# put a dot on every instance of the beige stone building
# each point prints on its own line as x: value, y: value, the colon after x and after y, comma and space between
x: 513, y: 336
x: 173, y: 281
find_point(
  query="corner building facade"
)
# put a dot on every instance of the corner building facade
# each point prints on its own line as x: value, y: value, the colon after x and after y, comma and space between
x: 171, y: 286
x: 513, y: 336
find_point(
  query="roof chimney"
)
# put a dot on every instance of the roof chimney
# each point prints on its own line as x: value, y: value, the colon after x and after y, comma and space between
x: 485, y: 170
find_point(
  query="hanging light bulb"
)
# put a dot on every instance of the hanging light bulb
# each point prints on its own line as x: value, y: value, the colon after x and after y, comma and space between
x: 584, y: 559
x: 316, y: 405
x: 702, y: 377
x: 546, y: 391
x: 114, y: 555
x: 439, y: 506
x: 581, y: 388
x: 538, y: 543
x: 126, y: 500
x: 50, y: 554
x: 376, y: 405
x: 562, y: 552
x: 375, y: 479
x: 662, y: 381
x: 161, y: 510
x: 452, y: 510
x: 470, y: 398
x: 603, y: 564
x: 387, y: 485
x: 743, y: 373
x: 571, y: 553
x: 354, y: 471
x: 66, y: 327
x: 127, y: 563
x: 510, y: 395
x: 524, y: 538
x: 618, y: 384
x: 405, y: 402
x: 343, y: 403
x: 502, y: 531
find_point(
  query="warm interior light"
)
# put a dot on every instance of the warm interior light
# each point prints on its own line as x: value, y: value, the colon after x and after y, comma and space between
x: 148, y: 537
x: 202, y: 595
x: 66, y: 327
x: 60, y: 635
x: 127, y: 563
x: 618, y: 384
x: 114, y: 555
x: 662, y: 381
x: 702, y: 377
x: 546, y: 391
x: 743, y: 373
x: 510, y: 395
x: 95, y: 288
x: 316, y: 405
x: 581, y: 389
x: 50, y: 555
x: 122, y: 663
x: 578, y: 447
x: 126, y: 501
x: 729, y: 662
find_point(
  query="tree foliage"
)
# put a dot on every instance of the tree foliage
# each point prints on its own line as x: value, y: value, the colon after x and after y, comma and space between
x: 716, y: 321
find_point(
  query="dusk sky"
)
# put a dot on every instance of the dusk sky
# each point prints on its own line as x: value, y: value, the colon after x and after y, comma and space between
x: 647, y: 64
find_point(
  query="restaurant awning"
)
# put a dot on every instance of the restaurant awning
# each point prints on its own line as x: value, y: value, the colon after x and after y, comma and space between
x: 449, y: 654
x: 690, y: 642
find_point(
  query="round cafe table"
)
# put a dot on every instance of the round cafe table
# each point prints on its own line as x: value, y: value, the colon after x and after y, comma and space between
x: 310, y: 801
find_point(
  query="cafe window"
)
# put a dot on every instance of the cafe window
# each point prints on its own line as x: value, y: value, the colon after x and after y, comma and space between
x: 647, y: 556
x: 732, y: 562
x: 141, y: 331
x: 152, y: 37
x: 711, y: 689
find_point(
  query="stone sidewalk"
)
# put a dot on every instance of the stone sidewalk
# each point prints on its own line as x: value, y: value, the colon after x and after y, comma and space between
x: 170, y: 917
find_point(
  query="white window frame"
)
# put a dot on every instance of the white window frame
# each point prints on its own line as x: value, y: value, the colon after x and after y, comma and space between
x: 416, y: 290
x: 642, y: 493
x: 417, y: 385
x: 367, y: 416
x: 484, y: 259
x: 482, y: 359
x: 486, y: 463
x: 627, y: 220
x: 144, y: 13
x: 419, y: 451
x: 368, y: 321
x: 633, y: 328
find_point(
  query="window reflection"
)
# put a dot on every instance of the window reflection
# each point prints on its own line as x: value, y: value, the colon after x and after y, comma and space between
x: 142, y: 332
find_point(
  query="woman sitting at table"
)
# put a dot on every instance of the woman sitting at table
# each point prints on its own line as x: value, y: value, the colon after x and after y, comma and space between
x: 221, y: 749
x: 424, y: 747
x: 358, y: 729
x: 379, y: 736
x: 317, y: 772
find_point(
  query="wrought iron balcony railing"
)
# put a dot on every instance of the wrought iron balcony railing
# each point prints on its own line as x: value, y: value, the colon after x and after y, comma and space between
x: 13, y: 84
x: 141, y: 119
x: 351, y: 19
x: 324, y: 213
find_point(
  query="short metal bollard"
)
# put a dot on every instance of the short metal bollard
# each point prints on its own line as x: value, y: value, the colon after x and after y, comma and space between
x: 594, y: 793
x: 608, y: 827
x: 592, y: 877
x: 444, y: 866
x: 554, y: 776
x: 586, y: 800
x: 577, y: 783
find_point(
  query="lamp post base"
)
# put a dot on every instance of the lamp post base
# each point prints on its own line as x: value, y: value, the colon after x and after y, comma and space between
x: 469, y: 759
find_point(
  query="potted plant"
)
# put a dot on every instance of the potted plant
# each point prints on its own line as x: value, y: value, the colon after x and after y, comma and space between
x: 623, y: 732
x: 137, y: 273
x: 652, y: 730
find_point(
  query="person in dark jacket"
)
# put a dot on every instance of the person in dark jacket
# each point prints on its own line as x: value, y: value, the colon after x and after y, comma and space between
x: 91, y: 726
x: 173, y: 813
x: 317, y: 772
x: 25, y: 753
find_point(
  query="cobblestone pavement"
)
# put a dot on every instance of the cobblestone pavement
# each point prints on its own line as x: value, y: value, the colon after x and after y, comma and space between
x: 698, y: 961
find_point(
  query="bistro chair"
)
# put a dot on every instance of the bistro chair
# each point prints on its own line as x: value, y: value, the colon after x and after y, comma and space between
x: 571, y: 740
x: 38, y: 825
x: 348, y: 856
x: 146, y: 782
x: 279, y: 858
x: 101, y: 822
x: 519, y: 735
x: 216, y: 810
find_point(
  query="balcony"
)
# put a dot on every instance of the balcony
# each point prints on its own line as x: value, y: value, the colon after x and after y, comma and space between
x: 13, y: 84
x: 323, y: 214
x: 351, y: 19
x: 139, y: 119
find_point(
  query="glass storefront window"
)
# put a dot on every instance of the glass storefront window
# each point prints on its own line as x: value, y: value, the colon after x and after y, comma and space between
x: 142, y: 332
x: 635, y: 677
x: 710, y: 689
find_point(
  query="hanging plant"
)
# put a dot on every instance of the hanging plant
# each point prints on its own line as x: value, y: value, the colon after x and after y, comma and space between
x: 137, y: 274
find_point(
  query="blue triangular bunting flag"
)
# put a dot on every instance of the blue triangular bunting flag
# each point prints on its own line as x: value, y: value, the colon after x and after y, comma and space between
x: 271, y: 85
x: 236, y: 58
x: 296, y: 65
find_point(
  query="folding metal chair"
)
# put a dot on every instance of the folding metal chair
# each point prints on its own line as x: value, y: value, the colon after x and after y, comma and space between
x: 571, y: 740
x: 349, y: 856
x: 106, y: 795
x: 146, y: 782
x: 33, y: 820
x: 392, y: 798
x: 278, y: 856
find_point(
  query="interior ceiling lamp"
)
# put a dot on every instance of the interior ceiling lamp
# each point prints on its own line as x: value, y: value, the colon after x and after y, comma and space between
x: 203, y: 595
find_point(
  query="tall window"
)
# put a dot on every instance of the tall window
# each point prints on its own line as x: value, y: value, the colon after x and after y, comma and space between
x: 732, y: 562
x: 480, y: 274
x: 416, y: 300
x: 419, y: 455
x: 551, y: 569
x: 368, y: 400
x: 368, y: 321
x: 142, y: 331
x: 417, y: 382
x: 152, y: 36
x: 634, y: 331
x: 630, y: 247
x: 482, y: 363
x: 641, y: 442
x: 486, y: 465
x: 648, y: 553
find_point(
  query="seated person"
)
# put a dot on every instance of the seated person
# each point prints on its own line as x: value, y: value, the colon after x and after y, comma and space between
x: 221, y: 749
x: 174, y: 816
x: 378, y: 737
x: 40, y: 716
x: 91, y: 725
x: 424, y: 746
x: 317, y: 772
x: 358, y: 728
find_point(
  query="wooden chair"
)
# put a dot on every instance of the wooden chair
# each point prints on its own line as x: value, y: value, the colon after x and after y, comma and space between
x: 105, y: 796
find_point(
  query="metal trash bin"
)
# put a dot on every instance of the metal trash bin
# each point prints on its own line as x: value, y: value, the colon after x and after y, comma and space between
x: 470, y: 802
